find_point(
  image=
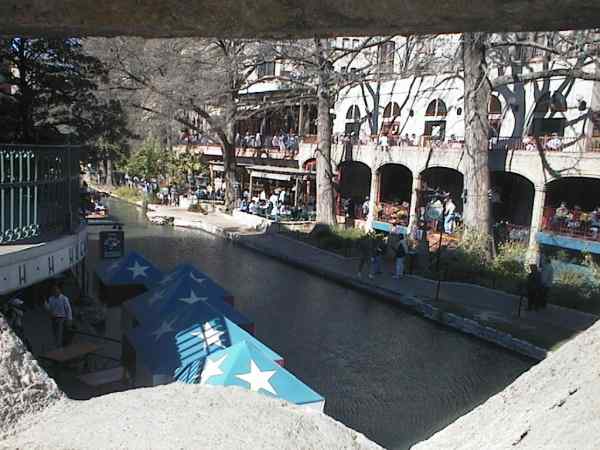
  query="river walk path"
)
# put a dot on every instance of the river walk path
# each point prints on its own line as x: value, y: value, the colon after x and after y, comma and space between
x: 487, y: 313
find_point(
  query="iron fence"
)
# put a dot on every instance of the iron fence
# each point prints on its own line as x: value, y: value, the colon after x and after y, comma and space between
x: 39, y: 191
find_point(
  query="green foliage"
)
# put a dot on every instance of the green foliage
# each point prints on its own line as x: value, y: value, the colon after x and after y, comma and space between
x: 340, y: 240
x: 129, y: 194
x: 148, y: 160
x: 576, y: 290
x: 55, y: 98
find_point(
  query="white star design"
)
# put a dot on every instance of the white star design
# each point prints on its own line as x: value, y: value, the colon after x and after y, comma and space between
x: 211, y: 369
x: 156, y: 297
x: 165, y: 327
x: 210, y: 335
x: 258, y: 379
x: 193, y: 298
x: 196, y: 279
x: 138, y: 270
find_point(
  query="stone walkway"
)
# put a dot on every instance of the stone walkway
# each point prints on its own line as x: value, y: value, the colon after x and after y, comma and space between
x: 488, y: 313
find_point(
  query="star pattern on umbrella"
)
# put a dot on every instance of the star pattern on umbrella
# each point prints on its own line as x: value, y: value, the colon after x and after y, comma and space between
x: 155, y: 297
x: 211, y: 369
x: 210, y: 335
x: 165, y: 327
x: 193, y: 298
x: 197, y: 279
x: 137, y: 270
x: 258, y: 379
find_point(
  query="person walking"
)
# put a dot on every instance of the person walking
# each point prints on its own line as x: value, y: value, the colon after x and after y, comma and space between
x: 365, y: 248
x: 399, y: 257
x: 534, y: 287
x: 546, y: 278
x: 60, y: 310
x: 378, y: 252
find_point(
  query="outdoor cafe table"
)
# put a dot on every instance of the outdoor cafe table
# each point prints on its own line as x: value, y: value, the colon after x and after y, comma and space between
x: 70, y: 353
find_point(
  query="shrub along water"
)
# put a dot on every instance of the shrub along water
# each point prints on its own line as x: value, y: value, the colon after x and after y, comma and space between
x: 576, y: 287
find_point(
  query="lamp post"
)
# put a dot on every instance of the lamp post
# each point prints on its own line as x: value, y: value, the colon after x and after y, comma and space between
x: 443, y: 198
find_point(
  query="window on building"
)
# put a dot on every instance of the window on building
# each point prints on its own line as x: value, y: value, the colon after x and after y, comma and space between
x: 391, y: 110
x: 266, y: 69
x: 385, y: 57
x: 345, y: 43
x: 495, y: 107
x: 353, y: 113
x: 436, y: 129
x: 355, y: 43
x: 436, y: 108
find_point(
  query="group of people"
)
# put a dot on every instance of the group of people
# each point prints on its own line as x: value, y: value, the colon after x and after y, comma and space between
x: 372, y: 250
x: 576, y: 220
x: 285, y: 142
x: 277, y: 205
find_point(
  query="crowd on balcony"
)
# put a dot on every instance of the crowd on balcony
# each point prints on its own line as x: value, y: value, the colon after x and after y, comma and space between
x: 573, y: 221
x: 288, y: 143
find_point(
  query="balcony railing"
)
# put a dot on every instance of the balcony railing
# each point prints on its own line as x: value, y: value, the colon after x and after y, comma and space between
x: 573, y: 223
x: 39, y: 191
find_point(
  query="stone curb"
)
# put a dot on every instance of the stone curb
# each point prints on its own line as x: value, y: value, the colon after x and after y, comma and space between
x: 418, y: 306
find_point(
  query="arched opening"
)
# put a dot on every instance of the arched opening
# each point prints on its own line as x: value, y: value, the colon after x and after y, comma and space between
x: 390, y: 125
x: 512, y: 206
x: 435, y: 125
x: 573, y: 207
x: 353, y: 188
x: 395, y: 189
x: 352, y: 120
x: 441, y: 179
x: 436, y: 108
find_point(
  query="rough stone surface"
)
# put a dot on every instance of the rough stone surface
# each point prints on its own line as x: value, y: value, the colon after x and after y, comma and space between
x: 35, y: 414
x: 184, y: 417
x: 280, y: 18
x: 555, y: 405
x: 25, y: 388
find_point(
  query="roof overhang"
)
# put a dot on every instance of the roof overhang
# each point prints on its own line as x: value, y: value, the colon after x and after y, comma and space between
x: 280, y: 18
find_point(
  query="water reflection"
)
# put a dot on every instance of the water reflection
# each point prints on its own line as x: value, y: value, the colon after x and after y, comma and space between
x: 389, y: 374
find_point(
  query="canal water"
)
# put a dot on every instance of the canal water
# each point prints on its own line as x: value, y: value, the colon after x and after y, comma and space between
x: 387, y: 373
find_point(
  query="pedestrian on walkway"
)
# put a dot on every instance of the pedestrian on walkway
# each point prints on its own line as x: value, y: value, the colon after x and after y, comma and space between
x: 547, y: 278
x: 401, y: 252
x: 534, y: 288
x: 379, y: 249
x: 365, y: 247
x: 61, y: 313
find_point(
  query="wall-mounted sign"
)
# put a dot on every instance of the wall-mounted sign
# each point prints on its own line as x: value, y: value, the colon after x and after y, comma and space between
x: 112, y: 244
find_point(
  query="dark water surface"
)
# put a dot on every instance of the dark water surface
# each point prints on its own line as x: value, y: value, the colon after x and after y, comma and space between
x: 389, y: 374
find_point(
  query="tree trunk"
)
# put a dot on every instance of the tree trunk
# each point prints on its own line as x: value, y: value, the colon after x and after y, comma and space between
x: 477, y: 215
x: 325, y: 189
x: 109, y: 172
x: 229, y: 158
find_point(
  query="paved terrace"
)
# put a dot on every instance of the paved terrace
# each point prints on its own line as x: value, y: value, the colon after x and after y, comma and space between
x: 487, y: 311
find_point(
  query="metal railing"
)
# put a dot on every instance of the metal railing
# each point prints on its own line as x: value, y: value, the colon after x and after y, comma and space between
x: 39, y: 191
x: 573, y: 223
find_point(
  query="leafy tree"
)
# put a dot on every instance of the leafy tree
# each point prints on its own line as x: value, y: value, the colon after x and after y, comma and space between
x: 148, y: 161
x: 53, y: 95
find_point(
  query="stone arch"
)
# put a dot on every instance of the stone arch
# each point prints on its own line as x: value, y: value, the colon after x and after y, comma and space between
x: 354, y: 180
x: 512, y: 198
x: 394, y: 193
x: 444, y: 178
x: 436, y: 108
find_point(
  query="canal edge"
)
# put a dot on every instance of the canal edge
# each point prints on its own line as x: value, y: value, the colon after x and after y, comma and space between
x: 418, y: 306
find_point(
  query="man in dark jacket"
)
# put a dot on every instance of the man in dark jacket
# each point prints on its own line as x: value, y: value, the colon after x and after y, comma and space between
x: 534, y: 288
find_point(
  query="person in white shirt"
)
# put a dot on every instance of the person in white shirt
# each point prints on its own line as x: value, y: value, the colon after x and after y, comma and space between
x: 449, y: 220
x: 59, y: 307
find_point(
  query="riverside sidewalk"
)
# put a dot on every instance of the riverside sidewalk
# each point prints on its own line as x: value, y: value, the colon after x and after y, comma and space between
x: 483, y: 312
